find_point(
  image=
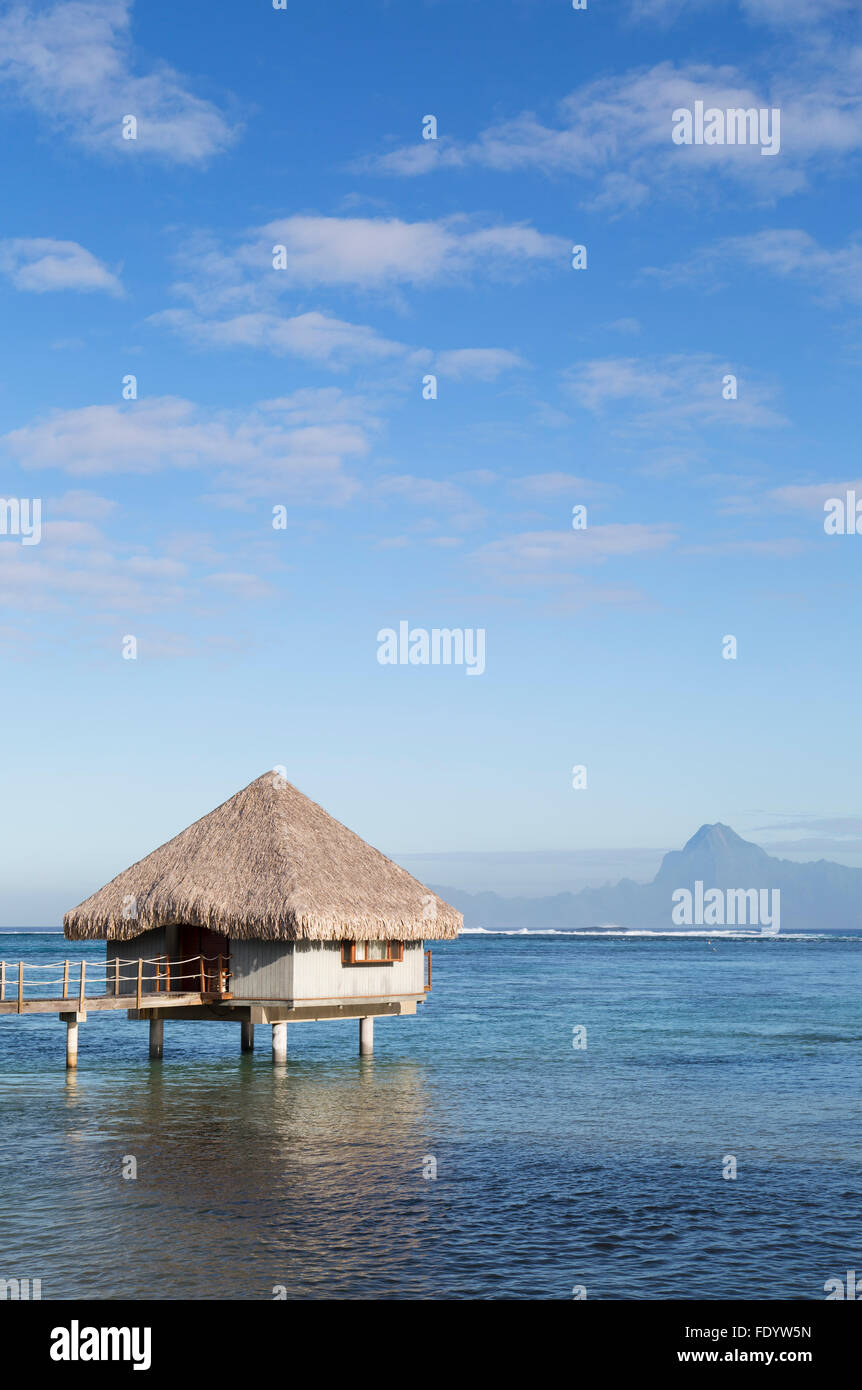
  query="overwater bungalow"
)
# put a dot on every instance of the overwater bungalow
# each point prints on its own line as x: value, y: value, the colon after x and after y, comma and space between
x: 265, y: 911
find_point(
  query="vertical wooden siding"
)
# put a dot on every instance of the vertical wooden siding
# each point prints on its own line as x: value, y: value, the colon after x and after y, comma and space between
x: 313, y: 970
x: 261, y: 969
x: 145, y: 947
x: 319, y: 974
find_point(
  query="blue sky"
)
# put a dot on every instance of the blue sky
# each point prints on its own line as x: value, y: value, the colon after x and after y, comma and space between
x: 302, y: 388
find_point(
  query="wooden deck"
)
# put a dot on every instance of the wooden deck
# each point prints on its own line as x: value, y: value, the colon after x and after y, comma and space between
x: 96, y: 1003
x: 25, y: 990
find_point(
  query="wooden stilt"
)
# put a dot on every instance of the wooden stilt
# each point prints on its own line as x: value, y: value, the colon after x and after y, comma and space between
x: 157, y: 1039
x: 247, y: 1037
x: 279, y: 1042
x: 366, y: 1037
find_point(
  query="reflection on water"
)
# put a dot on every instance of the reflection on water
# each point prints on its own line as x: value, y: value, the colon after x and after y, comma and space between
x: 555, y: 1166
x: 248, y: 1176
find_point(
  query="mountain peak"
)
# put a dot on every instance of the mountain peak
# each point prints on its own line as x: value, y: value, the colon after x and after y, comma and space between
x: 715, y: 852
x: 715, y: 836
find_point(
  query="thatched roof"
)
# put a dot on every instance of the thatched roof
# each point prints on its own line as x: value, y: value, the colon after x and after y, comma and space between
x: 269, y: 865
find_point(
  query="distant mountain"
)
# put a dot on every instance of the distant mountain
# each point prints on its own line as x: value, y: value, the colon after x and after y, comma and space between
x: 820, y: 896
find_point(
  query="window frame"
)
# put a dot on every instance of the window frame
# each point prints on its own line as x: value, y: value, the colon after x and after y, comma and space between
x: 394, y: 953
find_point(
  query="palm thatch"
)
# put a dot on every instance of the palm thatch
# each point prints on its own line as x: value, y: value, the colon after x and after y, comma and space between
x: 268, y: 865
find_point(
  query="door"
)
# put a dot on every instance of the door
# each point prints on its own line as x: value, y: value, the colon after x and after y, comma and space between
x: 192, y: 944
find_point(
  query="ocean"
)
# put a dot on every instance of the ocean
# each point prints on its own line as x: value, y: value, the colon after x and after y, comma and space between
x: 561, y: 1119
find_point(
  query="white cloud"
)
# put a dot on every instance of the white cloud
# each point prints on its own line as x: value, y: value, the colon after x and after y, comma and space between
x: 83, y: 506
x: 547, y: 552
x: 70, y: 533
x: 96, y: 580
x: 834, y: 274
x: 780, y: 548
x: 434, y: 497
x: 314, y: 405
x: 673, y: 391
x: 335, y: 343
x: 74, y: 64
x: 557, y: 563
x: 422, y: 492
x: 485, y: 364
x: 248, y: 454
x: 235, y: 289
x: 805, y: 13
x: 356, y: 253
x: 810, y: 497
x: 40, y: 264
x: 542, y: 485
x: 618, y: 193
x: 314, y: 337
x: 617, y: 131
x: 78, y: 569
x: 240, y: 584
x: 795, y: 12
x: 157, y: 567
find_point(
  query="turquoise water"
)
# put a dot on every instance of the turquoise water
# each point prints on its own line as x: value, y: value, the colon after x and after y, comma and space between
x: 556, y: 1166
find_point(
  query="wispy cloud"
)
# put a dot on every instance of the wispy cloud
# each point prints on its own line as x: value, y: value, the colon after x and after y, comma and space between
x: 780, y: 548
x: 554, y: 552
x: 617, y: 131
x: 262, y: 451
x: 74, y: 64
x: 330, y: 342
x: 77, y: 567
x: 804, y: 14
x: 39, y: 264
x: 433, y: 497
x: 483, y: 364
x: 810, y: 497
x: 314, y: 337
x: 673, y: 391
x: 359, y: 254
x: 543, y: 485
x: 834, y: 274
x: 833, y: 825
x: 103, y: 583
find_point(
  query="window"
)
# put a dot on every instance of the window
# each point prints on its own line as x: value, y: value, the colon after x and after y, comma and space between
x: 371, y: 952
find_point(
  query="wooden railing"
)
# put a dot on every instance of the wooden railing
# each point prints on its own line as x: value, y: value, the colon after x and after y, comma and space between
x: 209, y: 974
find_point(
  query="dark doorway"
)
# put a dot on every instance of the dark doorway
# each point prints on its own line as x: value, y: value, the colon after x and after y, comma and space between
x: 193, y: 945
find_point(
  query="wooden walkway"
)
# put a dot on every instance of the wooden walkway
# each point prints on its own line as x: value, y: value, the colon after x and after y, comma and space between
x: 93, y: 1003
x: 122, y: 988
x: 24, y: 989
